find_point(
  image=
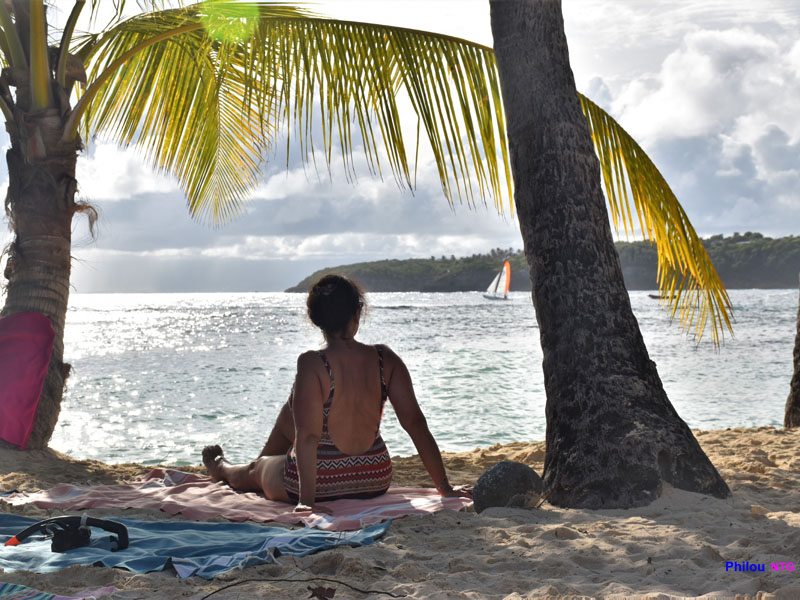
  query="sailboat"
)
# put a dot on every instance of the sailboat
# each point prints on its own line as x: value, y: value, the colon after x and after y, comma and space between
x: 500, y: 284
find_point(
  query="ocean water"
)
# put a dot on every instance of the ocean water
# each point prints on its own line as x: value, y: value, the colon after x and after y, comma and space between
x: 158, y: 376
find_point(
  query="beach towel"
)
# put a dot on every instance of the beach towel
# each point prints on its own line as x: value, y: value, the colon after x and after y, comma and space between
x: 15, y: 591
x: 26, y: 340
x: 203, y: 549
x: 197, y: 497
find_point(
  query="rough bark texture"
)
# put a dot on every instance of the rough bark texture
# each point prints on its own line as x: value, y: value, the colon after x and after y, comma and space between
x: 40, y: 205
x: 612, y: 435
x: 791, y: 417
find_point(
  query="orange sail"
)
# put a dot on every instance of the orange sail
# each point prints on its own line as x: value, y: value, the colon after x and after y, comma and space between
x: 507, y: 273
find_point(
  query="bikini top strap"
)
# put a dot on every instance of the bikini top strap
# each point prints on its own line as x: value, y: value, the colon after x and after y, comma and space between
x: 384, y: 389
x: 330, y: 374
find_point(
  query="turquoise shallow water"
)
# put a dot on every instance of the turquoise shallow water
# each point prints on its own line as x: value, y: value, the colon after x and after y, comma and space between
x: 158, y: 376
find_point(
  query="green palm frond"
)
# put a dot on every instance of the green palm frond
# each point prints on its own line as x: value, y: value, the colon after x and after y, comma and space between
x: 12, y: 46
x: 686, y: 275
x: 200, y: 102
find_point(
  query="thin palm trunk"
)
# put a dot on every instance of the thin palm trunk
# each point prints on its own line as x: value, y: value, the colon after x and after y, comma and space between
x: 40, y: 206
x: 791, y: 416
x: 40, y: 202
x: 612, y: 435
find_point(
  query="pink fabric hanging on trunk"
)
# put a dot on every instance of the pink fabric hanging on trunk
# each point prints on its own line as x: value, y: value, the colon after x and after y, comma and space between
x: 26, y: 341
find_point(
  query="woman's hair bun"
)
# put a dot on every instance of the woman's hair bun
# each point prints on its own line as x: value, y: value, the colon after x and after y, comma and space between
x: 333, y: 302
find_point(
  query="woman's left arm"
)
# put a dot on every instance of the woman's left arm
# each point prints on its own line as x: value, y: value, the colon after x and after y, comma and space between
x: 307, y: 411
x: 406, y: 407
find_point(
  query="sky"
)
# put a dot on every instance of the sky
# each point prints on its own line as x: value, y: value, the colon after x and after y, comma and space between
x: 709, y: 89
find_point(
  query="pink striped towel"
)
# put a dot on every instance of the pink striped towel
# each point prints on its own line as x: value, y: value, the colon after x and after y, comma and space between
x: 196, y: 497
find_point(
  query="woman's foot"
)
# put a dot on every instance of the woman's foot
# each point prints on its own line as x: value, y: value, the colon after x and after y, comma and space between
x: 212, y: 459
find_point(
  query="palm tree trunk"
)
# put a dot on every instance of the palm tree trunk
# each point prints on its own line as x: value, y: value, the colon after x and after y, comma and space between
x: 40, y: 206
x: 612, y: 435
x: 791, y: 416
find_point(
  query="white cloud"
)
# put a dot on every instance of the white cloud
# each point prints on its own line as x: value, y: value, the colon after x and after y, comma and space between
x: 355, y: 246
x: 619, y: 41
x: 409, y: 245
x: 467, y: 19
x: 288, y: 182
x: 112, y: 173
x: 717, y: 114
x: 790, y: 202
x: 794, y: 58
x: 775, y: 153
x: 704, y: 86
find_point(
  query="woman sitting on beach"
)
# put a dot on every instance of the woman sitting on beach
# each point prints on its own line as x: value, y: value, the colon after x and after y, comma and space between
x: 326, y: 444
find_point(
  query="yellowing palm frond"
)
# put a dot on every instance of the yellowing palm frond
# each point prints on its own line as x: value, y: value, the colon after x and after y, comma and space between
x: 205, y: 101
x: 686, y: 275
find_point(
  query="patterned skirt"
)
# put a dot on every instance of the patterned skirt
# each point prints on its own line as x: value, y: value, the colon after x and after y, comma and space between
x: 341, y: 475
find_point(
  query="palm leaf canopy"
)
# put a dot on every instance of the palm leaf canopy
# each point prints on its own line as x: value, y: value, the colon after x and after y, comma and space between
x: 205, y: 89
x: 209, y: 91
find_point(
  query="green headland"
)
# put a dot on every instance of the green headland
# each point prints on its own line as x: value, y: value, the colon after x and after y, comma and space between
x: 742, y: 261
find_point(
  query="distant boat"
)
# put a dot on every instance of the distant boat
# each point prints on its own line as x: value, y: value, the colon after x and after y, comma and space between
x: 498, y: 289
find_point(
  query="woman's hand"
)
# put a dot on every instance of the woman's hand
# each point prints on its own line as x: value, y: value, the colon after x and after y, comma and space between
x: 313, y: 508
x: 459, y: 491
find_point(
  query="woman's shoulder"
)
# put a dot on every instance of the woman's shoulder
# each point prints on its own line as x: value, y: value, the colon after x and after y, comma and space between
x: 310, y: 359
x: 389, y: 355
x: 382, y: 348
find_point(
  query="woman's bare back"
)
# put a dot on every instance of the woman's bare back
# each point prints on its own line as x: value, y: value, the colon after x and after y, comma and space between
x: 355, y: 414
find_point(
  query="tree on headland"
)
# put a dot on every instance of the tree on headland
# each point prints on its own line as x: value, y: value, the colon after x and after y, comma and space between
x: 791, y: 417
x: 206, y: 92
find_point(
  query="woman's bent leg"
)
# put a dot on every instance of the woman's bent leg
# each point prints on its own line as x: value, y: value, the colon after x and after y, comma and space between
x: 264, y: 474
x: 239, y: 477
x: 269, y: 472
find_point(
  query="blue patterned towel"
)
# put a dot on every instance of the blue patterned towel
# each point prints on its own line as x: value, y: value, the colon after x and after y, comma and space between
x: 15, y: 591
x: 204, y: 549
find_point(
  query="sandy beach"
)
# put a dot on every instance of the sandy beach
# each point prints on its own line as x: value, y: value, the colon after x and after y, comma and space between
x: 674, y: 548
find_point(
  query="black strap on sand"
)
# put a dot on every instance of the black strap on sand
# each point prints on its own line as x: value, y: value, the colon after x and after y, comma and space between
x: 73, y: 532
